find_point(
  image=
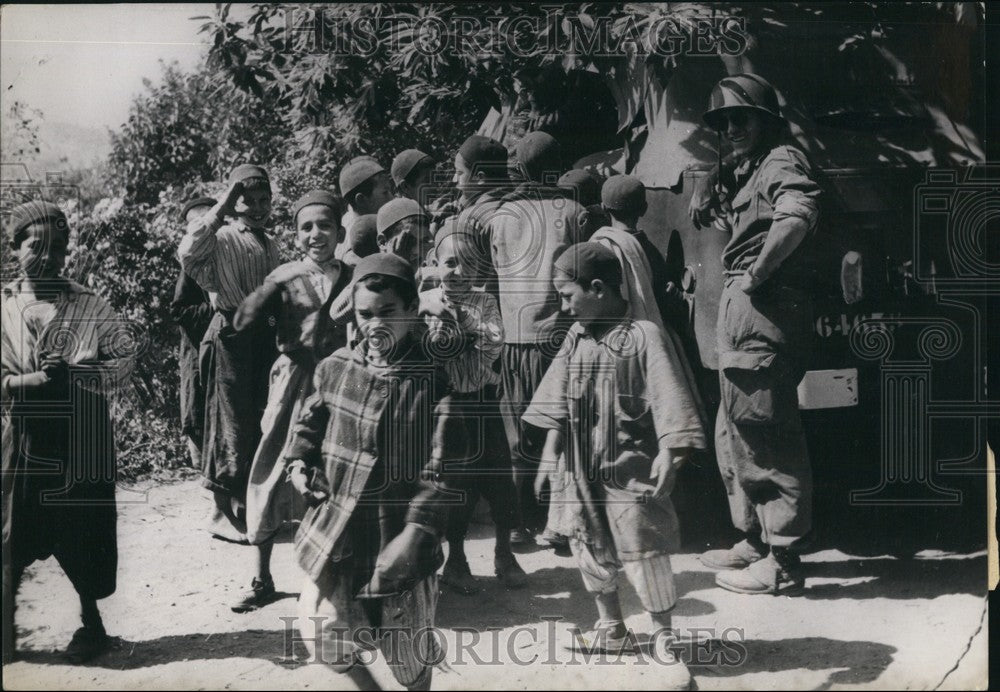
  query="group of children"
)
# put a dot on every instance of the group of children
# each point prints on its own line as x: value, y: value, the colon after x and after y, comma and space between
x: 413, y: 360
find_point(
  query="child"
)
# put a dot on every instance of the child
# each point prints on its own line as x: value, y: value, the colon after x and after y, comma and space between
x: 362, y: 239
x: 192, y: 312
x: 365, y: 186
x: 533, y: 225
x: 411, y: 172
x: 403, y: 230
x: 59, y: 352
x: 465, y: 332
x: 374, y: 437
x: 623, y: 198
x: 615, y: 403
x: 297, y: 295
x: 228, y: 252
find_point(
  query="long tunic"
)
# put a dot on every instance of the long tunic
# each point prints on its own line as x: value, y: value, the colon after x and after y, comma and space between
x: 619, y: 400
x: 58, y: 445
x: 299, y: 308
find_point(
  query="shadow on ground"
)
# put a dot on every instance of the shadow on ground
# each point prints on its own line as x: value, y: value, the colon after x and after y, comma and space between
x: 857, y: 662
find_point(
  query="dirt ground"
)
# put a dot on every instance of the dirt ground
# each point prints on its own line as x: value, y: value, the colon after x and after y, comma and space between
x: 864, y: 622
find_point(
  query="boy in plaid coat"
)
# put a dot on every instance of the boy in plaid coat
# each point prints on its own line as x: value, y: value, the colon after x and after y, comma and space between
x: 367, y: 453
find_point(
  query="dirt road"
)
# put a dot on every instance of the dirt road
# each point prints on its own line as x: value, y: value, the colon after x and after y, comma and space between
x: 872, y: 622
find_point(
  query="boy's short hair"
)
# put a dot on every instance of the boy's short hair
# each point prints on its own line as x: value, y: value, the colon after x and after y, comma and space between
x: 590, y: 261
x: 23, y: 216
x: 385, y: 271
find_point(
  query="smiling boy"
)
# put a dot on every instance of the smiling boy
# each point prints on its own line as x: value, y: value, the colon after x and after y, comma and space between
x: 295, y: 295
x: 377, y: 431
x: 228, y: 252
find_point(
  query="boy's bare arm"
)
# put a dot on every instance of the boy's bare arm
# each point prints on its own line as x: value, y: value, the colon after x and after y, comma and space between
x: 550, y: 459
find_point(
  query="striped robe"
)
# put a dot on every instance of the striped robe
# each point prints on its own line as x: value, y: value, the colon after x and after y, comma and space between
x: 58, y: 445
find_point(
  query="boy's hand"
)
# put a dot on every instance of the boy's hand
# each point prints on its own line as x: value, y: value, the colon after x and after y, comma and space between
x: 300, y: 481
x: 664, y: 470
x: 432, y: 303
x: 54, y: 366
x: 397, y: 562
x: 540, y: 479
x: 231, y: 197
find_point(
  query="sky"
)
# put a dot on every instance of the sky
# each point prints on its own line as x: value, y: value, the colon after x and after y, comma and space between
x: 82, y: 64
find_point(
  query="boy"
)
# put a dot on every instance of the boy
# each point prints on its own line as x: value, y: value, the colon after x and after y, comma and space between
x: 411, y: 172
x: 533, y: 225
x: 623, y: 198
x: 58, y: 443
x: 362, y: 239
x: 373, y: 439
x: 192, y: 312
x: 297, y: 296
x: 228, y: 252
x: 615, y: 403
x: 364, y: 186
x: 404, y: 231
x: 465, y: 333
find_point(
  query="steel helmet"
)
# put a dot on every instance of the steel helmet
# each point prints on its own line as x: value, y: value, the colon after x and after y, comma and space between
x: 741, y: 91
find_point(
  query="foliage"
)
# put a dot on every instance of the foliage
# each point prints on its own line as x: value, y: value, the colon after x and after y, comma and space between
x: 192, y: 127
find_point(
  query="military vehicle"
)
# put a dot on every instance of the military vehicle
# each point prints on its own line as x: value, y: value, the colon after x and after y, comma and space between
x: 887, y: 101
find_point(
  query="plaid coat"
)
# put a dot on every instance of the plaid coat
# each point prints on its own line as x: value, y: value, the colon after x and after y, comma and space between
x: 378, y: 439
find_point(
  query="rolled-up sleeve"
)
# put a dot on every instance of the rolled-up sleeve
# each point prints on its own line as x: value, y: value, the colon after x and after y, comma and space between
x: 790, y: 186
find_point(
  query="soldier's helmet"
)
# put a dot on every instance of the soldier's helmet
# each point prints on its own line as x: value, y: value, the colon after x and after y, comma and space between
x: 741, y: 91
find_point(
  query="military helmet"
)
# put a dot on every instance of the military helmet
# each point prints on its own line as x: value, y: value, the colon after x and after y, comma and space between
x: 741, y: 91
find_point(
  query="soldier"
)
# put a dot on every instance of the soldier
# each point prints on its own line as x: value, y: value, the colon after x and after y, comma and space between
x: 763, y: 330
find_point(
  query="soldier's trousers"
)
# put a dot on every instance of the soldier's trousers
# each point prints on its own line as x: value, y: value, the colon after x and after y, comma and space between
x: 760, y: 444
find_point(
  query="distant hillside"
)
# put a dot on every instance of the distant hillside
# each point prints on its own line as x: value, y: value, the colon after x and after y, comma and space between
x: 67, y: 146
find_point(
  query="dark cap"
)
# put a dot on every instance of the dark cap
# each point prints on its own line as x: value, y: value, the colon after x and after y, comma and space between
x: 585, y: 262
x: 245, y: 171
x: 624, y: 193
x: 36, y: 211
x: 585, y: 183
x: 539, y: 153
x: 386, y: 264
x: 358, y: 170
x: 483, y: 151
x: 405, y: 162
x: 321, y: 197
x: 394, y: 211
x: 361, y: 237
x: 197, y: 202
